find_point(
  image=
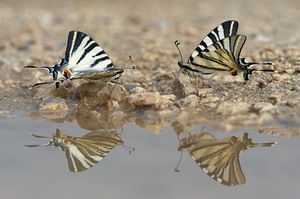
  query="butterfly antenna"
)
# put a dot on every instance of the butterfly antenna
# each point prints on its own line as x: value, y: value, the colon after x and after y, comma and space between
x: 267, y: 144
x: 176, y: 169
x: 177, y: 46
x: 123, y: 67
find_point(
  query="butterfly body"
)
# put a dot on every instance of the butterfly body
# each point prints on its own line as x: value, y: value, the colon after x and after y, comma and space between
x: 219, y: 52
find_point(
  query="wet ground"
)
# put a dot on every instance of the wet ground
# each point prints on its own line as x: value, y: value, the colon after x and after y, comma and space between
x: 152, y: 99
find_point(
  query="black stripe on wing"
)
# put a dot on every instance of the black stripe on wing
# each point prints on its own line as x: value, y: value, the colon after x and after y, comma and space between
x: 74, y: 40
x: 233, y: 44
x: 225, y: 29
x: 83, y: 53
x: 92, y: 44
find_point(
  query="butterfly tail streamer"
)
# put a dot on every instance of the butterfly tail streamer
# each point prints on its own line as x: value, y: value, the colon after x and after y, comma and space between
x: 267, y: 144
x: 129, y: 148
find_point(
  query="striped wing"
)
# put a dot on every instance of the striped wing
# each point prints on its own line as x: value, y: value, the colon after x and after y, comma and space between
x: 85, y: 56
x: 215, y: 157
x: 226, y: 29
x: 222, y: 56
x: 219, y: 52
x: 83, y: 153
x: 220, y: 158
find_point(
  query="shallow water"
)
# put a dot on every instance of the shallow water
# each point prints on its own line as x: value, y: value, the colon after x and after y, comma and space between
x: 148, y: 172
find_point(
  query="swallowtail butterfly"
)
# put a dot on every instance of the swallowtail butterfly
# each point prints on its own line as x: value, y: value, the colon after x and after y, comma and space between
x: 84, y: 58
x: 219, y: 52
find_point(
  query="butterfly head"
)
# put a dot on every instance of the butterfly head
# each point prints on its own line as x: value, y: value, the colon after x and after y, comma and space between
x: 62, y: 143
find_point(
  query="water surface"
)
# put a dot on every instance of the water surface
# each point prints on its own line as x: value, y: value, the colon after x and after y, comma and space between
x: 148, y: 172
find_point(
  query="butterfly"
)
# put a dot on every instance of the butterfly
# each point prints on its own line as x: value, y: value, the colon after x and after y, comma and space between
x: 219, y: 52
x: 219, y: 158
x: 84, y: 59
x: 83, y: 152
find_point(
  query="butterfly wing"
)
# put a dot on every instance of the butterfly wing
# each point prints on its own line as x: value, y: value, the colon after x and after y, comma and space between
x: 216, y: 158
x: 84, y: 55
x: 88, y: 150
x: 225, y: 29
x: 221, y: 56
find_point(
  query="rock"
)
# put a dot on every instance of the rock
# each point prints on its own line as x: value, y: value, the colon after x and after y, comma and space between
x: 280, y: 77
x: 97, y: 93
x: 53, y: 108
x: 191, y: 101
x: 275, y: 98
x: 144, y: 99
x: 263, y: 106
x: 166, y: 100
x: 232, y: 108
x: 137, y: 90
x: 182, y: 87
x: 210, y: 102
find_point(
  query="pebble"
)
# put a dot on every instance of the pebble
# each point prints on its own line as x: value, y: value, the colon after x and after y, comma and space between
x: 137, y: 90
x: 263, y: 106
x: 191, y: 101
x: 96, y: 93
x: 53, y: 108
x: 232, y: 108
x: 144, y: 99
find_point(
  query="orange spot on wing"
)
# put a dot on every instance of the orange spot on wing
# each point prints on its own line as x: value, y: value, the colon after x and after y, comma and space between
x: 234, y: 72
x: 233, y: 140
x: 67, y: 142
x: 68, y: 72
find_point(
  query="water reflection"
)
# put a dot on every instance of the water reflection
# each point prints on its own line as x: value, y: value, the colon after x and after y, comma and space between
x: 84, y: 152
x: 219, y: 158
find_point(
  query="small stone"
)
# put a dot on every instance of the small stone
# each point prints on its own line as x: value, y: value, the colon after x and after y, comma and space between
x: 263, y: 106
x: 210, y: 102
x: 290, y: 71
x: 232, y: 108
x: 137, y: 90
x: 97, y: 93
x: 191, y: 101
x: 182, y: 87
x: 53, y: 108
x: 280, y: 77
x: 275, y: 98
x: 144, y: 99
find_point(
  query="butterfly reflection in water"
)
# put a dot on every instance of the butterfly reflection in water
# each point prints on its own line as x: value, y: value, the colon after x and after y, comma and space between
x: 219, y: 52
x: 84, y: 152
x: 219, y: 158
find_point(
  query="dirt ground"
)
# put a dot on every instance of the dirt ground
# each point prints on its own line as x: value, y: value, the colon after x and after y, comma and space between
x: 34, y: 32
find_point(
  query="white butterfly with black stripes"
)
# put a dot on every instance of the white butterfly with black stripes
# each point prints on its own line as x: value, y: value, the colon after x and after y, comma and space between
x: 219, y: 52
x: 84, y: 152
x: 219, y: 158
x: 84, y: 59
